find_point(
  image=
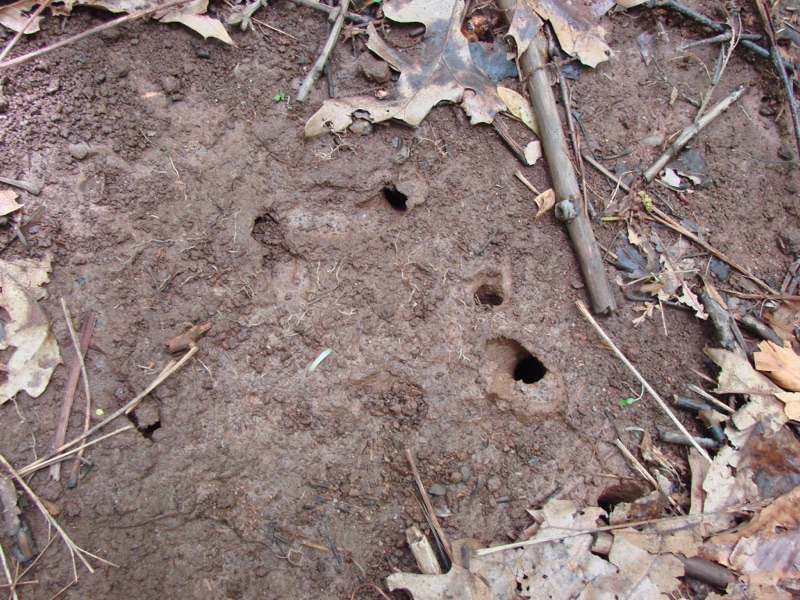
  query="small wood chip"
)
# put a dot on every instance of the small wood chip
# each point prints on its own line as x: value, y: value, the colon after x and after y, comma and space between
x: 186, y: 340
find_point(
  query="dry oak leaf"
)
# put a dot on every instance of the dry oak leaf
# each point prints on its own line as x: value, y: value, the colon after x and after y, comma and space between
x: 13, y: 16
x: 576, y: 27
x: 443, y: 72
x: 192, y: 14
x: 36, y: 352
x: 781, y: 364
x: 8, y: 202
x: 457, y: 583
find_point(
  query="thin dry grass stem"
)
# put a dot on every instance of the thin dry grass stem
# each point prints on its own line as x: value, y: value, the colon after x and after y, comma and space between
x: 87, y: 418
x: 639, y: 468
x: 690, y: 520
x: 22, y: 31
x: 74, y: 549
x: 40, y: 464
x: 171, y: 368
x: 11, y: 583
x: 641, y: 379
x: 89, y: 32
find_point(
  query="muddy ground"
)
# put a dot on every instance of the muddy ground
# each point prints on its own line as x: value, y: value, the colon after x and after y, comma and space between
x: 201, y: 200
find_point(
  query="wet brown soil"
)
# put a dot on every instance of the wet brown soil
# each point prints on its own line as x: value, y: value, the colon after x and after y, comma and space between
x: 449, y: 310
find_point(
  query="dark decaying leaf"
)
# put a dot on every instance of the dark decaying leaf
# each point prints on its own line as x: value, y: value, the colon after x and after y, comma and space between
x: 444, y: 71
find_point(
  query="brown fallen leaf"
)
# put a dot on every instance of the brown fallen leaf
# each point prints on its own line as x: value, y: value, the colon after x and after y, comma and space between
x: 36, y: 352
x: 443, y: 72
x: 791, y: 401
x: 14, y: 16
x: 545, y: 201
x: 192, y: 14
x: 576, y: 27
x: 781, y: 364
x: 8, y: 202
x: 457, y: 583
x: 785, y: 319
x: 519, y: 106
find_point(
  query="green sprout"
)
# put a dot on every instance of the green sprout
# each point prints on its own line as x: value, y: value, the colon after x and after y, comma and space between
x: 629, y: 401
x: 646, y: 200
x: 279, y: 97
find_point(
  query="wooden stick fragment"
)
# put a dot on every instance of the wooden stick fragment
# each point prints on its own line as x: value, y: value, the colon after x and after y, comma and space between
x: 780, y: 66
x: 89, y: 32
x: 72, y: 384
x: 690, y: 132
x: 319, y: 66
x: 73, y: 548
x: 355, y: 18
x: 187, y: 339
x: 11, y: 583
x: 641, y: 379
x: 423, y: 551
x: 570, y: 208
x: 430, y: 514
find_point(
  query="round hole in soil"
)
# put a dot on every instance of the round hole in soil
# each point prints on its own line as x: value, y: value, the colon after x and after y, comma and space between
x: 529, y: 369
x: 397, y: 200
x: 489, y: 295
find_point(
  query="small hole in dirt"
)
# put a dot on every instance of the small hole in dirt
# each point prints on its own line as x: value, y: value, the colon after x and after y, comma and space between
x: 489, y: 295
x: 529, y: 369
x: 397, y: 200
x: 147, y: 431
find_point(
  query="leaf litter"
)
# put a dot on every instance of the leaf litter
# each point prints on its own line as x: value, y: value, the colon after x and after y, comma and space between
x: 27, y: 331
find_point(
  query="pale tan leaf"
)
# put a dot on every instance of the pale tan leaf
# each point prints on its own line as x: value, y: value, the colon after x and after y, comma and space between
x: 689, y: 298
x: 630, y: 3
x: 737, y: 376
x: 545, y: 201
x: 633, y: 237
x: 444, y: 73
x: 8, y: 202
x: 35, y: 350
x: 456, y: 583
x: 518, y: 106
x: 202, y: 24
x: 525, y: 25
x: 781, y: 364
x: 785, y: 319
x: 533, y: 152
x: 792, y: 404
x: 578, y: 32
x: 14, y: 16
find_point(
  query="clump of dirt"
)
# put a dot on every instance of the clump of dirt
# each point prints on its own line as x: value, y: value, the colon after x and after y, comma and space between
x: 449, y: 308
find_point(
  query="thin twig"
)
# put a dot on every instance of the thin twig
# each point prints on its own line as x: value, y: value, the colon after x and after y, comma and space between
x: 639, y: 468
x: 171, y: 368
x: 89, y: 32
x: 40, y: 464
x: 87, y: 418
x: 24, y: 28
x: 690, y: 132
x: 72, y: 384
x: 329, y: 9
x: 430, y: 514
x: 780, y: 66
x: 641, y: 379
x: 11, y: 583
x: 71, y: 546
x: 319, y: 66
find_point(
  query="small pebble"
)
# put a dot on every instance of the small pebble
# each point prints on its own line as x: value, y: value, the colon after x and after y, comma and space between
x: 494, y: 484
x: 465, y: 471
x: 170, y: 84
x: 361, y: 127
x: 455, y: 477
x: 79, y: 151
x: 437, y: 489
x: 3, y: 104
x: 203, y: 53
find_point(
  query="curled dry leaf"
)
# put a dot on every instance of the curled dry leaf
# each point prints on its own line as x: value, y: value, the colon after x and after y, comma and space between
x: 8, y: 202
x: 533, y: 152
x: 781, y: 364
x: 456, y: 583
x: 577, y: 29
x: 545, y: 201
x: 519, y: 106
x: 443, y: 71
x: 35, y: 350
x: 14, y: 16
x: 191, y: 14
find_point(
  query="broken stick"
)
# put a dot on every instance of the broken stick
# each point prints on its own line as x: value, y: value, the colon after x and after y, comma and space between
x: 570, y: 207
x: 690, y: 132
x: 319, y: 66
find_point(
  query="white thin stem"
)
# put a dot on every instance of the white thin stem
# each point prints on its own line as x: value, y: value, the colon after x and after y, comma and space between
x: 642, y: 380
